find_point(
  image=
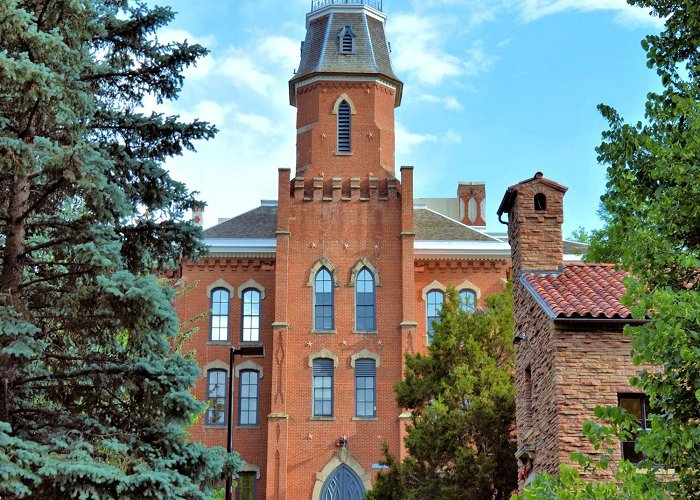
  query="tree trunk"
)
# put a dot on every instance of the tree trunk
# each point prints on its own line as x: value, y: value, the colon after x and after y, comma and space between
x: 15, y: 238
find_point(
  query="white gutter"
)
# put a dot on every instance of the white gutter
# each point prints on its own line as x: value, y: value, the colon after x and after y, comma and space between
x: 241, y: 245
x: 483, y: 249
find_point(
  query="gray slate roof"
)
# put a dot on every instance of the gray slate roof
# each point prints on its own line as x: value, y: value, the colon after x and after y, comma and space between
x: 321, y: 48
x: 261, y: 223
x: 431, y: 225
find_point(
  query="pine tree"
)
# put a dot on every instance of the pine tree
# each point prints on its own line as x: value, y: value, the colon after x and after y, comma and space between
x: 461, y: 441
x: 93, y: 399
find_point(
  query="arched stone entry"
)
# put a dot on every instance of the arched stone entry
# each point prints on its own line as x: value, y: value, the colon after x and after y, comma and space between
x: 342, y: 478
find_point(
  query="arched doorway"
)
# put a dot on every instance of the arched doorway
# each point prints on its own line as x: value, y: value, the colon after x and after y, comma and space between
x: 343, y: 484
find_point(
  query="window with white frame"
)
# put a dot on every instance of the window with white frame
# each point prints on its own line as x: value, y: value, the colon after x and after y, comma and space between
x: 251, y: 315
x: 434, y: 300
x: 220, y: 299
x: 216, y: 397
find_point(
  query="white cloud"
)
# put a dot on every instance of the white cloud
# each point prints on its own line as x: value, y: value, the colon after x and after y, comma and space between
x: 244, y: 72
x: 449, y: 102
x: 452, y: 136
x: 626, y: 14
x: 258, y: 123
x: 406, y: 141
x: 421, y: 51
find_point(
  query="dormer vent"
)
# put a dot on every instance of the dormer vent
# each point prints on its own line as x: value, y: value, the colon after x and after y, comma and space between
x: 346, y: 40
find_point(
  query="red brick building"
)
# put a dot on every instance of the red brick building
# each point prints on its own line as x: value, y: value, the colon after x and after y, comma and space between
x: 336, y: 280
x: 570, y: 355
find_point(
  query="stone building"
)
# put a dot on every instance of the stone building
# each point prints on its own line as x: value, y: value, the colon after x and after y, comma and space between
x: 341, y: 276
x: 570, y: 355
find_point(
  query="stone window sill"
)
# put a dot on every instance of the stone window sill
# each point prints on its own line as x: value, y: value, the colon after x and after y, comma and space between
x: 323, y: 332
x: 248, y: 427
x: 321, y: 418
x: 343, y: 153
x: 366, y: 332
x: 217, y: 342
x: 364, y: 419
x: 218, y: 427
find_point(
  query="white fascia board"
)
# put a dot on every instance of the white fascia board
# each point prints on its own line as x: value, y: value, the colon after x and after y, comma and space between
x: 460, y: 248
x: 241, y: 245
x: 572, y: 257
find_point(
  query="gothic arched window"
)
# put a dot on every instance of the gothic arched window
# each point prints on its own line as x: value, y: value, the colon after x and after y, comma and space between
x: 323, y: 300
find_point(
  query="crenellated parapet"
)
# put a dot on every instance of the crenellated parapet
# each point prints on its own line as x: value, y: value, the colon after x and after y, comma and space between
x: 335, y: 189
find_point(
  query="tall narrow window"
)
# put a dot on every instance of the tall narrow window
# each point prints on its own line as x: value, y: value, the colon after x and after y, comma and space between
x: 245, y: 486
x: 365, y: 375
x: 435, y: 299
x: 344, y: 127
x: 467, y: 300
x: 251, y: 315
x: 323, y: 387
x: 365, y: 301
x: 248, y: 403
x: 323, y: 300
x: 216, y: 397
x: 636, y: 405
x: 220, y: 298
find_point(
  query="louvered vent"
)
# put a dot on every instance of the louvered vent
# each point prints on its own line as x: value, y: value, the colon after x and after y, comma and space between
x: 344, y: 127
x: 365, y: 368
x: 347, y: 43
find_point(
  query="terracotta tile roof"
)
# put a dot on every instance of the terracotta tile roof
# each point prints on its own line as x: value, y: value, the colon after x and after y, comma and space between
x: 581, y: 291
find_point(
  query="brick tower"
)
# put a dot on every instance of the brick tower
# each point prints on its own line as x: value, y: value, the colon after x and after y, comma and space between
x: 344, y: 255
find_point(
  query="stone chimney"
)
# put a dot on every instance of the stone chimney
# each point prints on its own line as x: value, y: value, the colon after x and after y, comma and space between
x: 472, y: 203
x: 198, y: 215
x: 535, y: 209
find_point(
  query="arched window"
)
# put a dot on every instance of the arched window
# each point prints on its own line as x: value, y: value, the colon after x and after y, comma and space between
x: 251, y: 316
x: 323, y: 387
x: 344, y: 127
x: 365, y: 384
x: 467, y: 300
x: 323, y: 300
x: 540, y: 202
x: 364, y: 302
x: 434, y: 298
x: 248, y: 398
x: 216, y: 397
x: 220, y: 298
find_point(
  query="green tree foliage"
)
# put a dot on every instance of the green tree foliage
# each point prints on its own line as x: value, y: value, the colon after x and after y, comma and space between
x: 462, y: 399
x: 652, y: 227
x: 93, y: 400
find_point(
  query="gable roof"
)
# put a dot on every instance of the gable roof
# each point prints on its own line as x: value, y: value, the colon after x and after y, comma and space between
x: 259, y: 223
x: 433, y: 226
x: 580, y: 291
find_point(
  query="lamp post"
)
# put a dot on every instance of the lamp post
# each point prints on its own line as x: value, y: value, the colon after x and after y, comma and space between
x: 243, y: 351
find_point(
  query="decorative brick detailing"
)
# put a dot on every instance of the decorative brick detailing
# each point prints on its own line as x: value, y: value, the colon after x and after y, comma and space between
x: 472, y: 203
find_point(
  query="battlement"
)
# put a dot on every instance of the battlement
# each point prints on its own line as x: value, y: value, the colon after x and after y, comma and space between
x: 335, y: 189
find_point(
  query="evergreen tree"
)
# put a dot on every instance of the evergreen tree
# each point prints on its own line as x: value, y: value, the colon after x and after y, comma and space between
x: 461, y: 441
x: 652, y: 215
x: 93, y: 399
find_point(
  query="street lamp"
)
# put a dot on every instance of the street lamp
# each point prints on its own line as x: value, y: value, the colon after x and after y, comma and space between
x: 243, y: 351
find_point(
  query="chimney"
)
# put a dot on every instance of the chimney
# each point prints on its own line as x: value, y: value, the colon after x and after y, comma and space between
x: 535, y: 209
x: 198, y: 215
x: 472, y: 203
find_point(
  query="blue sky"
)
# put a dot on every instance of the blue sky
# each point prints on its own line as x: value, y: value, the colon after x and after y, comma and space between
x: 494, y: 90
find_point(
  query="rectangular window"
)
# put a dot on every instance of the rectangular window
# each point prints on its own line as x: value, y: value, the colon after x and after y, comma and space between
x: 365, y: 302
x: 216, y: 397
x: 323, y: 387
x: 245, y: 489
x: 365, y: 382
x: 248, y: 404
x: 636, y: 405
